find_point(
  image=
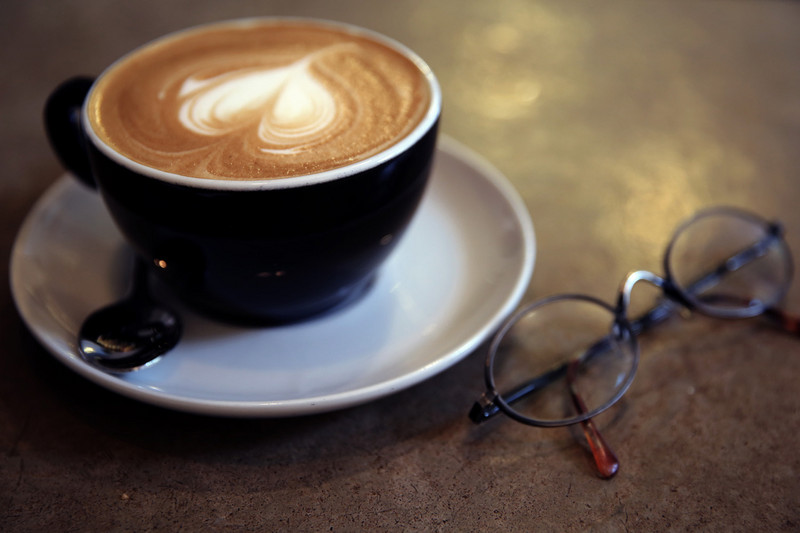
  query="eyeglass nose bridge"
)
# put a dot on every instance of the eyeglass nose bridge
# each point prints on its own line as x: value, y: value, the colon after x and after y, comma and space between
x: 660, y: 311
x: 626, y: 288
x: 664, y: 283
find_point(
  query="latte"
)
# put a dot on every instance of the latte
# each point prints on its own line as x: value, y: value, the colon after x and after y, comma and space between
x: 258, y: 100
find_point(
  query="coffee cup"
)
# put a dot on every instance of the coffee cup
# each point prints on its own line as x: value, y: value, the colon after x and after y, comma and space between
x: 264, y: 168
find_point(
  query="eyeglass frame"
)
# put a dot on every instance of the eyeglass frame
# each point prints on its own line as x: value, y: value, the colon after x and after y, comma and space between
x: 493, y: 402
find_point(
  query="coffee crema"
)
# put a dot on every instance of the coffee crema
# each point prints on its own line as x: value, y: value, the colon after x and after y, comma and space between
x: 258, y: 100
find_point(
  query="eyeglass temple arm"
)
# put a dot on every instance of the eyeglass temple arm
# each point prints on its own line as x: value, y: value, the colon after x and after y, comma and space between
x: 486, y: 407
x: 783, y: 320
x: 605, y: 459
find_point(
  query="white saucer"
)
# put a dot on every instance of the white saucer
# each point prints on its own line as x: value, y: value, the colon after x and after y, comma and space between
x: 462, y: 267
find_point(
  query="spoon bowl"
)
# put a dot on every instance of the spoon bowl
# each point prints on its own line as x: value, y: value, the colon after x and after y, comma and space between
x: 131, y: 334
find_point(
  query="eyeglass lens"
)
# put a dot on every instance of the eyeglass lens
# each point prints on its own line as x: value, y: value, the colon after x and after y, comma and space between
x: 537, y: 350
x: 729, y: 264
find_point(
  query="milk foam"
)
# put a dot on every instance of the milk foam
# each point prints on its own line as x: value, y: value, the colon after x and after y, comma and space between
x: 258, y: 101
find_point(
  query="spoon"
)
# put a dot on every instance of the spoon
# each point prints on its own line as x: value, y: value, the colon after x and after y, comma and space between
x: 132, y: 333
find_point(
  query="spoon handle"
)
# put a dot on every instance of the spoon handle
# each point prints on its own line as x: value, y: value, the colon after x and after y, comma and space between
x: 139, y: 287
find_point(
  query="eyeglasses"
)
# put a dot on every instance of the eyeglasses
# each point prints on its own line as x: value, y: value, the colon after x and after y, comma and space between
x: 567, y: 358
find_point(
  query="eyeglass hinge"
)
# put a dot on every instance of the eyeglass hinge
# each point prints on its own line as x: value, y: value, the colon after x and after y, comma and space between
x: 483, y: 409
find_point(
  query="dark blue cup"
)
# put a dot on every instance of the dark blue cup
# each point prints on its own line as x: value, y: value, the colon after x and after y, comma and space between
x: 265, y: 250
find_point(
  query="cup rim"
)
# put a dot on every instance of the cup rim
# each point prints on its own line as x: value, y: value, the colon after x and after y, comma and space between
x: 427, y: 122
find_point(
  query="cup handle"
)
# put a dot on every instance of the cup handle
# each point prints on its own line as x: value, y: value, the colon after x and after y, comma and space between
x: 62, y: 119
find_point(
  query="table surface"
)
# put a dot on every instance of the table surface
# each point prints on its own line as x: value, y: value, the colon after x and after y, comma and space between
x: 614, y: 121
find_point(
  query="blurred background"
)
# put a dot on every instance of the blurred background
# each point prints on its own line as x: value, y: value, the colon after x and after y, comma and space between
x: 614, y: 120
x: 655, y: 108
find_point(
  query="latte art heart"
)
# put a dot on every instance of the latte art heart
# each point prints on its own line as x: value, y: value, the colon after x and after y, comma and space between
x: 289, y: 108
x: 265, y: 100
